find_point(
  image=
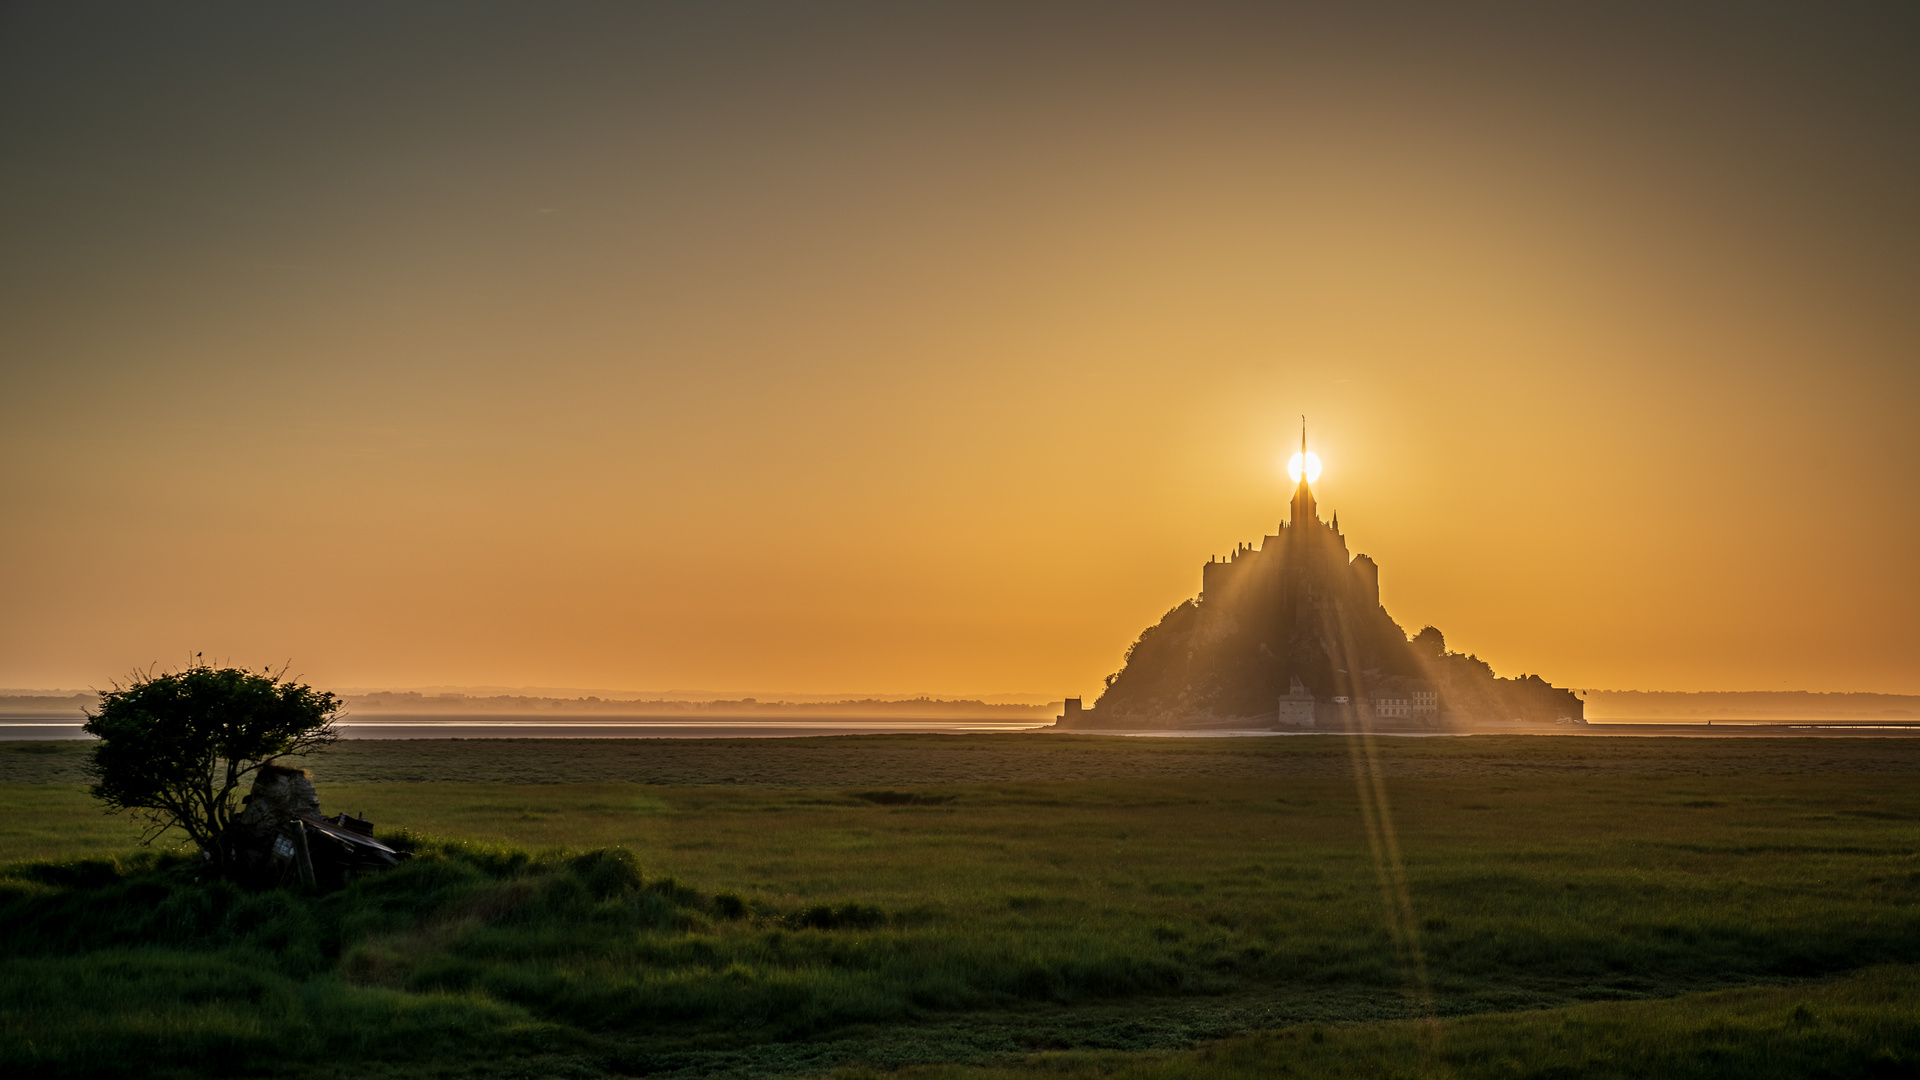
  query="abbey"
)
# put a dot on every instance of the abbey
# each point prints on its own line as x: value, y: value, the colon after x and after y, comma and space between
x: 1291, y: 634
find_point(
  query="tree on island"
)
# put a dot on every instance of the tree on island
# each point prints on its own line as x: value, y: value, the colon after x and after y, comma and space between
x: 176, y: 748
x: 1430, y: 643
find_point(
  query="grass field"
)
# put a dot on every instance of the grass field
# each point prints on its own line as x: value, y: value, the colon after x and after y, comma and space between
x: 1044, y: 904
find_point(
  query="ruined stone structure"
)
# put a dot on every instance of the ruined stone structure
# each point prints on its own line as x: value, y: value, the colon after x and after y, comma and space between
x: 1291, y: 634
x: 280, y: 838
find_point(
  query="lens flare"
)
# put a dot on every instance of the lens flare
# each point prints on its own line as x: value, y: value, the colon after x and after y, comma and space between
x: 1312, y: 464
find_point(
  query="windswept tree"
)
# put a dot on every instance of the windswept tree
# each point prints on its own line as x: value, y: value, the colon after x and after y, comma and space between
x: 176, y: 748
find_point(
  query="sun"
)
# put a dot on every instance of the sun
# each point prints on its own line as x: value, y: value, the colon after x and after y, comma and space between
x: 1312, y: 462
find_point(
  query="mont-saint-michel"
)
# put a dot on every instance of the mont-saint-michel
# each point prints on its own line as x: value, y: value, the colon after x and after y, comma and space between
x: 1291, y: 635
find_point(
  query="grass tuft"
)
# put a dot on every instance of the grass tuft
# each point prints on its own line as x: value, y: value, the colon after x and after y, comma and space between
x: 902, y: 798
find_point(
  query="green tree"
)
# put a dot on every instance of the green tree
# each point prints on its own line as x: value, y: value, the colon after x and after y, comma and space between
x: 175, y: 748
x: 1430, y: 642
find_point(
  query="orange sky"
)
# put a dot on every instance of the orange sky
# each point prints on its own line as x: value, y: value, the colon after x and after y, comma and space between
x: 851, y: 348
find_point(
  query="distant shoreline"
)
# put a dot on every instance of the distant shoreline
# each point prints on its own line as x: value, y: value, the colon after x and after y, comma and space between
x: 1611, y: 705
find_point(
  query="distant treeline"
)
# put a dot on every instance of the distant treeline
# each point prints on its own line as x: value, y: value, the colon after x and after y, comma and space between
x: 1745, y: 704
x: 392, y: 702
x: 462, y: 704
x: 74, y: 705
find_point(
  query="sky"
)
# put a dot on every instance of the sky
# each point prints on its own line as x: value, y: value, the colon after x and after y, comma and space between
x: 933, y: 348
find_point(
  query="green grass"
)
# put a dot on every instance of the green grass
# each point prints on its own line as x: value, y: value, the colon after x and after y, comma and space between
x: 931, y: 901
x: 1865, y: 1025
x: 882, y: 761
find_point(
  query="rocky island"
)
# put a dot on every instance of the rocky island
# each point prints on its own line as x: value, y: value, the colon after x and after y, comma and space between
x: 1290, y: 634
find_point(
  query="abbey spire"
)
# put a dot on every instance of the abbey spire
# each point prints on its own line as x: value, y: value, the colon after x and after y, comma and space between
x: 1304, y: 510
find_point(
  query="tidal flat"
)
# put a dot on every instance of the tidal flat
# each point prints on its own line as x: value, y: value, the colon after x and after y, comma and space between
x: 1000, y: 905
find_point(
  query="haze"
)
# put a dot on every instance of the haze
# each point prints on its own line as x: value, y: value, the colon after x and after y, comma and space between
x: 934, y: 348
